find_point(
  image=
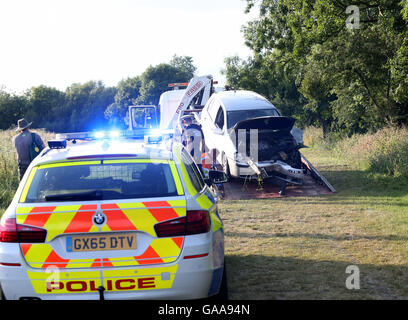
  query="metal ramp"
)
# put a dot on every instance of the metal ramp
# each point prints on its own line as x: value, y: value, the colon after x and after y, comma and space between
x: 314, y: 184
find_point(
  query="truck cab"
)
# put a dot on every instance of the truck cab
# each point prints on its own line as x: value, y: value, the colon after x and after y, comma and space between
x: 143, y: 117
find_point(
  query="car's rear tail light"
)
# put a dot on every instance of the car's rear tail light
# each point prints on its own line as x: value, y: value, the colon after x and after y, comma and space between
x: 198, y: 221
x: 10, y: 231
x: 195, y: 222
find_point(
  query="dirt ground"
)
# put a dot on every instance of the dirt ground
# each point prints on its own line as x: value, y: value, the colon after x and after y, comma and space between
x: 238, y: 189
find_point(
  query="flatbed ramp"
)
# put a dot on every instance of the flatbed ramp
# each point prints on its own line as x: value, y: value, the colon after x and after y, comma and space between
x: 314, y: 184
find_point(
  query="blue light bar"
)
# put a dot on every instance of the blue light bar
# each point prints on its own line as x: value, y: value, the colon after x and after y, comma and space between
x: 99, y: 134
x: 114, y: 134
x: 153, y: 139
x: 57, y: 144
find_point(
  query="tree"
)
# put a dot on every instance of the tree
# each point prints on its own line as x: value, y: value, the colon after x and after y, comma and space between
x: 86, y: 105
x: 147, y: 88
x: 45, y: 107
x: 365, y: 65
x: 184, y: 64
x: 128, y: 91
x: 156, y: 80
x: 268, y: 76
x: 12, y: 108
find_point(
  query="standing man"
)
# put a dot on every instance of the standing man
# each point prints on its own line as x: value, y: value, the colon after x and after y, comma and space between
x: 23, y: 142
x: 193, y: 138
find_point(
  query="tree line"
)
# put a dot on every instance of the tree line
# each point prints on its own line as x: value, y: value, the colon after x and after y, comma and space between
x: 91, y: 105
x: 337, y: 64
x: 341, y: 65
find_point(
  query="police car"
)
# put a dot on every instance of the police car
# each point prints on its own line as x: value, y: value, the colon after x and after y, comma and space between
x: 113, y: 217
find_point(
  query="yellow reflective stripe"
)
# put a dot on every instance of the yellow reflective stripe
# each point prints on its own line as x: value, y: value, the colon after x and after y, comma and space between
x: 131, y: 205
x: 58, y: 223
x: 63, y: 275
x: 176, y: 177
x: 135, y: 161
x: 27, y: 185
x: 39, y: 280
x: 38, y: 253
x: 79, y: 264
x: 177, y: 203
x: 21, y: 218
x: 68, y: 164
x: 165, y: 247
x: 154, y: 275
x: 215, y: 221
x: 67, y: 208
x: 142, y: 219
x: 116, y: 273
x: 24, y: 210
x: 180, y: 211
x: 105, y: 227
x: 123, y: 262
x: 204, y: 202
x: 190, y: 188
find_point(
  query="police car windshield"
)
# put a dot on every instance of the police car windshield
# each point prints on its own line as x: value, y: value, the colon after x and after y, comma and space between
x: 233, y: 117
x: 107, y: 180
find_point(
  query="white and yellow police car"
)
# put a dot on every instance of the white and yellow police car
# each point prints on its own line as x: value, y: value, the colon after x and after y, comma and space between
x: 112, y: 218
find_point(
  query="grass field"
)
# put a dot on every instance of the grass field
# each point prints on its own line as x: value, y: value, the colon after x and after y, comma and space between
x: 299, y: 248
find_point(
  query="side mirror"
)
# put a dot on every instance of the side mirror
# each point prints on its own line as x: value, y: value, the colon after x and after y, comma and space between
x: 215, y: 177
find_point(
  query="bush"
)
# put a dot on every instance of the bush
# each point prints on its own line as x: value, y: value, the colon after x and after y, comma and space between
x: 384, y: 152
x: 389, y: 153
x: 8, y: 168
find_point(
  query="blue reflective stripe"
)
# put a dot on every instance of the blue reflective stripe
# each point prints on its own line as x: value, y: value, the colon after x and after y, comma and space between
x: 215, y: 281
x: 69, y: 244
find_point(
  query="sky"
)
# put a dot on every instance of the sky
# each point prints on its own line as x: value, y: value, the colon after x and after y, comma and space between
x: 60, y: 42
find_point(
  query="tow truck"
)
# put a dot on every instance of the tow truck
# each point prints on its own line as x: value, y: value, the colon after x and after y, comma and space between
x: 197, y: 95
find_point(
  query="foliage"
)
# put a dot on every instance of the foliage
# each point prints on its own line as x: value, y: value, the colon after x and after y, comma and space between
x: 353, y: 80
x: 45, y: 106
x: 12, y: 108
x: 126, y: 95
x: 384, y: 152
x: 92, y: 105
x: 147, y: 88
x: 156, y: 79
x: 86, y: 104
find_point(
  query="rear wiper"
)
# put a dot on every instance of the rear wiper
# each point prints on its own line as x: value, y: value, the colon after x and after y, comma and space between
x: 78, y: 196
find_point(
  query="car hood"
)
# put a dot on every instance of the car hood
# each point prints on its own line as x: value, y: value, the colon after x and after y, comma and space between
x: 266, y: 123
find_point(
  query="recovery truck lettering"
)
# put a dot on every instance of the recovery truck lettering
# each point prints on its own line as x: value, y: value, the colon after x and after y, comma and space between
x: 194, y: 88
x: 111, y: 285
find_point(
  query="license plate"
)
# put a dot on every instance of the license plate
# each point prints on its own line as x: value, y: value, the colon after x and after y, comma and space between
x: 117, y: 241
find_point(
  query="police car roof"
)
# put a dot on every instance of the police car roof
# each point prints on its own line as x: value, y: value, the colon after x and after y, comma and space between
x: 117, y: 148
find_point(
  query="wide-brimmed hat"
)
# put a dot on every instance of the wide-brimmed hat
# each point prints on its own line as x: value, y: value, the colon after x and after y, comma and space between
x: 22, y: 124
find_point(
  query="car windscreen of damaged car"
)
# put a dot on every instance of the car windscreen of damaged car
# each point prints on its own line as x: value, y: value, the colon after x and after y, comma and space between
x: 236, y: 116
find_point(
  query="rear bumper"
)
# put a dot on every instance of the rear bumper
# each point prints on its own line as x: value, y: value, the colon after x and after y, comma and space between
x: 195, y: 277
